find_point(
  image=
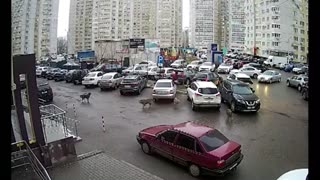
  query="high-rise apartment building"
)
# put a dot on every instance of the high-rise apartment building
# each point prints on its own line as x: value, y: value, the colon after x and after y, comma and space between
x: 277, y: 27
x: 34, y: 27
x: 237, y: 25
x: 224, y: 18
x: 205, y: 23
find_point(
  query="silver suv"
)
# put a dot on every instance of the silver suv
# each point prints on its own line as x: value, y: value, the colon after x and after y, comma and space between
x: 297, y: 81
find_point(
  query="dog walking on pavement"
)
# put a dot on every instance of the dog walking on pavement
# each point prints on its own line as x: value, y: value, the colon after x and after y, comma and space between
x: 85, y: 96
x: 144, y: 102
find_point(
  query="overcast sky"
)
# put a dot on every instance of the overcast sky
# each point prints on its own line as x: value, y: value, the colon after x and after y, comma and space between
x: 63, y: 16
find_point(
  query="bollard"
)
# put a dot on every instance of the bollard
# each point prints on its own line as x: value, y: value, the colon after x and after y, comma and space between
x: 103, y: 127
x: 75, y: 121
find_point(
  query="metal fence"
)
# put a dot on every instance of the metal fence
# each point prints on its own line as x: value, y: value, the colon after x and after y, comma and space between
x: 56, y: 125
x: 25, y: 157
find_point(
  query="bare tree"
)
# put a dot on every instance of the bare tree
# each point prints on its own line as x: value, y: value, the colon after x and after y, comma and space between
x: 61, y: 45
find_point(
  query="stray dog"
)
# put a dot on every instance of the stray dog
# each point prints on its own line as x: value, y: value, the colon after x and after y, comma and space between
x: 85, y: 96
x: 229, y: 114
x: 144, y: 102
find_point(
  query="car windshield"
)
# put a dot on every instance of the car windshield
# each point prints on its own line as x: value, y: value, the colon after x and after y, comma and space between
x: 246, y: 80
x: 207, y: 64
x: 242, y: 89
x: 208, y: 90
x: 163, y: 85
x: 107, y: 77
x: 268, y: 73
x: 91, y: 75
x: 213, y: 140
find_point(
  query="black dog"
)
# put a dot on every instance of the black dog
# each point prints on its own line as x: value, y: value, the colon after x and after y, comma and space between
x: 85, y: 96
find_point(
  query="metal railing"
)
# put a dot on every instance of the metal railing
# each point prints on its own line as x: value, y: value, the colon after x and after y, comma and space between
x: 25, y: 156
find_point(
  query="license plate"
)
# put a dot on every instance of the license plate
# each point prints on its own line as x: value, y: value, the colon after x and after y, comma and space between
x: 250, y: 107
x: 209, y: 98
x: 127, y: 86
x: 162, y: 92
x: 232, y: 166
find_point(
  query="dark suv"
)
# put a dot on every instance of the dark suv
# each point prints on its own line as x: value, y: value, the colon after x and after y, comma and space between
x: 208, y: 76
x: 132, y: 83
x: 76, y: 76
x: 51, y: 73
x: 240, y: 96
x: 45, y: 94
x: 59, y: 76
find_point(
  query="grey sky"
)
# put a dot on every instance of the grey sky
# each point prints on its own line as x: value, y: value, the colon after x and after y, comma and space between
x: 63, y: 16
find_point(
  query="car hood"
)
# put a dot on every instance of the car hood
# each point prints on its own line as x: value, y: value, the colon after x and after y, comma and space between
x: 246, y: 97
x: 154, y: 130
x: 226, y: 150
x: 264, y: 76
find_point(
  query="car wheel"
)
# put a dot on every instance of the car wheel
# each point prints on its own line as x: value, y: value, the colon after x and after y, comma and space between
x: 194, y: 170
x: 233, y: 106
x: 139, y: 92
x: 255, y: 76
x: 193, y: 106
x: 102, y: 89
x: 74, y: 82
x: 145, y: 147
x: 288, y: 83
x: 87, y: 86
x: 279, y: 80
x: 121, y: 92
x: 299, y: 88
x: 98, y: 84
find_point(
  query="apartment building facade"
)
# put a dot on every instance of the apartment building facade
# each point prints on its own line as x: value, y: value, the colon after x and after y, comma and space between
x: 237, y: 25
x: 34, y: 27
x: 279, y: 26
x: 205, y: 23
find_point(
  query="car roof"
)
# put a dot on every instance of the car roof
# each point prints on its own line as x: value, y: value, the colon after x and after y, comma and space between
x: 132, y: 77
x: 205, y: 84
x: 193, y: 129
x: 241, y: 75
x: 164, y: 80
x: 111, y: 73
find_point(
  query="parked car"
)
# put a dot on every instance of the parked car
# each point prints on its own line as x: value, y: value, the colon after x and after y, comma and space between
x: 51, y: 73
x: 261, y: 67
x: 225, y: 68
x: 302, y: 70
x: 297, y: 174
x: 40, y: 71
x: 92, y: 79
x: 237, y: 64
x: 137, y: 69
x: 132, y: 83
x: 60, y: 76
x: 208, y: 76
x: 203, y: 94
x: 248, y: 70
x: 164, y: 73
x: 108, y: 67
x: 183, y: 76
x: 180, y: 63
x: 207, y: 66
x: 147, y: 63
x: 202, y: 149
x: 194, y: 64
x: 270, y: 76
x: 297, y: 68
x: 297, y: 81
x: 241, y: 77
x: 110, y: 80
x: 288, y: 67
x: 240, y: 96
x: 76, y: 76
x: 45, y: 71
x: 164, y: 89
x: 152, y: 72
x: 45, y: 94
x: 305, y: 91
x: 283, y: 66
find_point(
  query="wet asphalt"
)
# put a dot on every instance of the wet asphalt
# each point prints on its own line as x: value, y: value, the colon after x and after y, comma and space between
x: 274, y: 140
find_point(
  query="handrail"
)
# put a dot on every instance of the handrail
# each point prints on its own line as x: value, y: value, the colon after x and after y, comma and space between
x: 34, y: 162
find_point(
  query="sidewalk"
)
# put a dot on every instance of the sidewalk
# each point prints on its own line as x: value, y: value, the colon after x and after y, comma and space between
x: 98, y: 166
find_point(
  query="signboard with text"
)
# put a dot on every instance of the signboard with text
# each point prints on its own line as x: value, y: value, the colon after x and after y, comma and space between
x: 135, y: 43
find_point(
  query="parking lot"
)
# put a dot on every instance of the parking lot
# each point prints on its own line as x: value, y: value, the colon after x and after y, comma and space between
x: 274, y: 140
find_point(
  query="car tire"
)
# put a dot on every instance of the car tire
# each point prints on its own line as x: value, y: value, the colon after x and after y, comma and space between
x: 74, y: 82
x: 155, y: 100
x: 102, y: 89
x: 288, y: 83
x: 299, y: 88
x: 194, y: 170
x: 86, y: 86
x: 255, y: 76
x: 193, y: 106
x: 98, y: 84
x: 121, y: 93
x: 279, y: 80
x: 233, y: 106
x: 145, y: 147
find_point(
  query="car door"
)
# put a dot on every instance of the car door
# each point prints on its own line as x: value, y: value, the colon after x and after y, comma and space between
x: 297, y: 82
x: 99, y: 76
x: 164, y: 144
x: 250, y: 71
x: 184, y: 149
x: 191, y: 90
x: 292, y: 80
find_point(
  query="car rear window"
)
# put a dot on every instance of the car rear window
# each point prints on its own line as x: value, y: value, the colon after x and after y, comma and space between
x: 208, y: 90
x: 213, y: 140
x: 201, y: 76
x: 107, y: 77
x: 163, y: 84
x: 129, y: 80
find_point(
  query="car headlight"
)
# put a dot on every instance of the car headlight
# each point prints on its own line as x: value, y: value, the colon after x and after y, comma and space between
x: 241, y: 101
x: 258, y: 101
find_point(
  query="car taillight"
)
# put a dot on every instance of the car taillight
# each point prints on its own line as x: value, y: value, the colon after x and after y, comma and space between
x: 218, y: 94
x: 197, y: 94
x: 220, y: 163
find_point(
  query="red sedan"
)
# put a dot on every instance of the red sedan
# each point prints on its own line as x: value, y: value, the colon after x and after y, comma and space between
x: 202, y: 149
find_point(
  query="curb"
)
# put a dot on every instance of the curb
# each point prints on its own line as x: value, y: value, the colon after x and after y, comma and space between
x: 88, y: 154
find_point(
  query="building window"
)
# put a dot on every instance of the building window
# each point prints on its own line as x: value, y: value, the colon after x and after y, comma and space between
x: 296, y: 38
x: 268, y: 35
x: 301, y: 23
x: 295, y: 47
x: 302, y: 39
x: 263, y: 43
x: 302, y: 31
x: 302, y: 48
x: 295, y: 30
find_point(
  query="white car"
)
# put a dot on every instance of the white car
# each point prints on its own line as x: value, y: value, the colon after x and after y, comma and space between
x: 180, y: 63
x: 248, y: 70
x: 194, y: 64
x: 225, y: 68
x: 92, y: 78
x: 110, y: 80
x: 203, y: 56
x: 203, y: 94
x: 164, y: 73
x: 297, y: 174
x: 241, y: 77
x: 39, y: 70
x: 269, y: 76
x: 152, y: 71
x: 147, y: 63
x: 164, y: 89
x: 137, y: 69
x: 207, y: 66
